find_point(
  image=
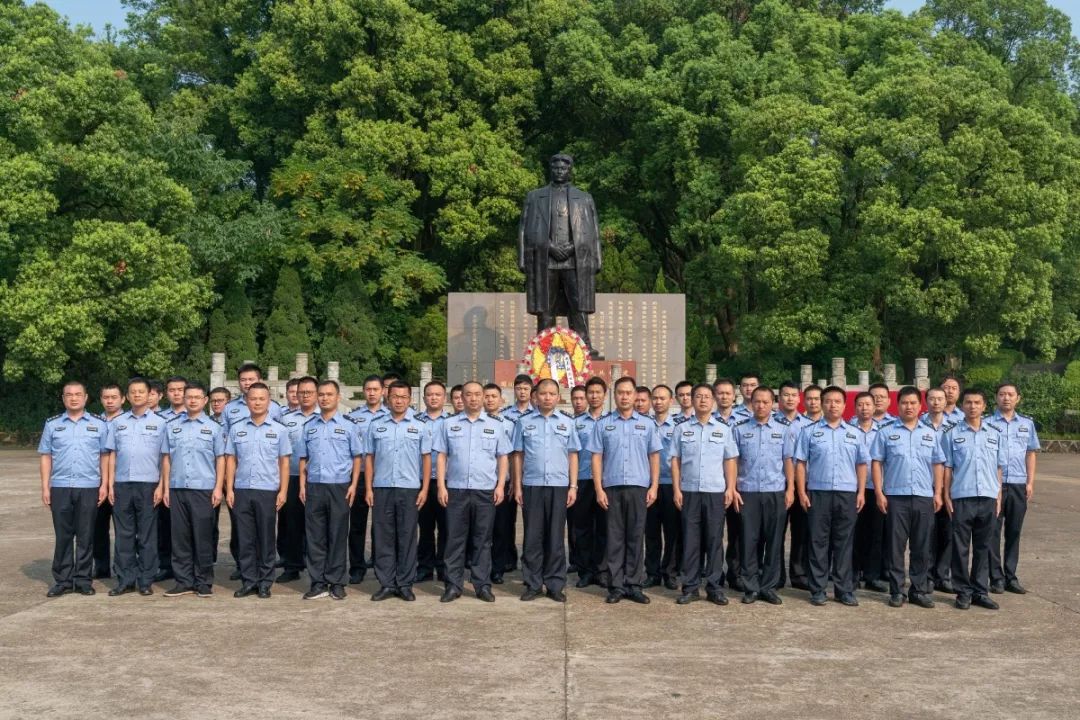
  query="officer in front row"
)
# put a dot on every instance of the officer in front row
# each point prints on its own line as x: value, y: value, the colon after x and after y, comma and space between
x: 330, y: 449
x: 703, y: 471
x: 471, y: 473
x: 397, y: 477
x: 545, y: 484
x: 974, y: 460
x: 135, y: 490
x: 193, y: 473
x: 257, y: 478
x: 765, y: 494
x: 907, y: 470
x: 626, y: 476
x: 830, y: 473
x: 74, y: 465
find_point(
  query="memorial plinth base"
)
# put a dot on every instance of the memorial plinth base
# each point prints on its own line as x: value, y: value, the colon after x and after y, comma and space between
x: 507, y: 370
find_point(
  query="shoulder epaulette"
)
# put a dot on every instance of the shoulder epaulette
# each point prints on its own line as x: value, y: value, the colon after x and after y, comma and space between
x: 565, y: 414
x: 55, y: 417
x: 780, y: 419
x: 741, y: 422
x: 175, y: 417
x: 315, y: 415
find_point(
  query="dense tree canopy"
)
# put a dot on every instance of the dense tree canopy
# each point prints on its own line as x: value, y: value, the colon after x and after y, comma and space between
x: 820, y: 178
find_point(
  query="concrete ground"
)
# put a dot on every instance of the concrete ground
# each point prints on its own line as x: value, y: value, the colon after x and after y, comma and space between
x: 187, y: 657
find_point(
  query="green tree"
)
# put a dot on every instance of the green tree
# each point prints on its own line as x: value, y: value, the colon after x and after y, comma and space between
x: 286, y: 329
x: 232, y: 327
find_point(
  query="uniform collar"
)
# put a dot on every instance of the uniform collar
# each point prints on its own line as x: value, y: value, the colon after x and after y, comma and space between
x: 334, y: 419
x: 146, y: 413
x: 186, y: 417
x: 85, y: 416
x: 669, y: 420
x: 266, y: 421
x: 711, y: 421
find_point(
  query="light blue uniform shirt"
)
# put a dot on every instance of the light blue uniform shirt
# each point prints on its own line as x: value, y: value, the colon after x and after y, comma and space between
x: 831, y: 455
x: 907, y: 458
x: 868, y: 440
x: 329, y: 447
x: 742, y: 411
x: 702, y: 450
x: 792, y: 436
x: 883, y: 420
x: 399, y: 447
x: 625, y: 444
x: 431, y: 427
x: 76, y: 447
x: 1020, y: 438
x: 667, y: 433
x: 237, y: 410
x: 945, y: 423
x: 511, y: 412
x: 584, y: 423
x: 294, y: 420
x: 974, y: 457
x: 955, y: 416
x: 472, y: 450
x: 168, y: 413
x: 257, y: 449
x: 546, y: 442
x: 193, y: 446
x: 137, y: 443
x: 507, y: 426
x: 761, y: 454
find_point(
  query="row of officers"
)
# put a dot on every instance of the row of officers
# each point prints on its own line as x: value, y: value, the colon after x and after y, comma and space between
x: 643, y: 498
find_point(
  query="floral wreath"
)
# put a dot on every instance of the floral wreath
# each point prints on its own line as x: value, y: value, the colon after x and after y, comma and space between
x: 559, y: 354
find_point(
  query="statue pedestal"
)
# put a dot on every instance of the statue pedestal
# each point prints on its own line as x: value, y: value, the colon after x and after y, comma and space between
x: 644, y: 333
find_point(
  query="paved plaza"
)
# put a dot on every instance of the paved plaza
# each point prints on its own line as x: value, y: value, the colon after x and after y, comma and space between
x: 283, y: 658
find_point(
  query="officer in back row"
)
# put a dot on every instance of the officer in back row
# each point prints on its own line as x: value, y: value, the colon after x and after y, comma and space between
x: 546, y: 446
x: 625, y: 447
x: 504, y: 555
x: 112, y: 404
x: 331, y: 451
x: 74, y: 468
x: 431, y: 547
x: 135, y: 490
x: 703, y: 470
x: 363, y: 416
x: 292, y: 516
x: 193, y: 479
x: 941, y: 535
x: 257, y: 481
x: 471, y: 473
x: 663, y: 531
x: 397, y: 478
x: 589, y: 518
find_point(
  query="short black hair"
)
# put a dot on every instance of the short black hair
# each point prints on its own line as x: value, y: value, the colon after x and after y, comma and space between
x: 73, y: 383
x: 722, y: 381
x: 110, y: 386
x: 626, y: 379
x: 763, y: 388
x: 972, y: 391
x: 684, y: 383
x: 156, y: 386
x: 219, y: 389
x: 390, y: 377
x: 323, y: 383
x: 176, y: 379
x: 833, y: 389
x: 788, y: 384
x: 810, y: 387
x: 861, y: 395
x: 749, y: 375
x: 249, y: 367
x: 138, y: 379
x: 662, y: 386
x: 492, y: 386
x: 908, y: 390
x: 699, y: 386
x: 596, y: 380
x: 457, y: 388
x: 643, y: 389
x: 543, y: 381
x: 259, y: 386
x: 292, y: 382
x: 878, y: 386
x: 577, y: 388
x: 308, y: 379
x: 193, y: 385
x: 370, y: 379
x: 398, y: 385
x: 1007, y: 383
x: 435, y: 383
x: 523, y: 379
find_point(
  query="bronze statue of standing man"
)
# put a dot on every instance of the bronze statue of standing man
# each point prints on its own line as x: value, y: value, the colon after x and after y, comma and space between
x: 559, y: 251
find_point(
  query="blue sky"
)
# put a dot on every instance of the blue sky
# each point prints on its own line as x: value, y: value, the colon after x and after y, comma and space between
x: 97, y: 13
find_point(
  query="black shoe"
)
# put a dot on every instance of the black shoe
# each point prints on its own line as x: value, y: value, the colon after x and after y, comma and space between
x: 384, y: 593
x: 602, y: 579
x: 945, y: 586
x: 204, y: 591
x: 717, y: 598
x: 923, y: 601
x: 450, y: 595
x: 484, y: 594
x: 145, y: 591
x: 652, y: 581
x: 800, y: 585
x: 245, y: 591
x: 530, y: 594
x: 847, y: 599
x: 877, y: 586
x: 234, y: 575
x: 264, y: 592
x: 86, y: 590
x: 497, y: 579
x: 557, y: 595
x: 177, y: 591
x: 1015, y: 587
x: 337, y: 592
x: 288, y: 576
x: 818, y: 599
x: 963, y: 602
x: 670, y: 584
x: 770, y: 597
x: 316, y: 591
x: 613, y: 597
x: 688, y: 597
x: 57, y: 591
x: 749, y: 598
x: 407, y: 594
x: 896, y: 601
x: 635, y: 595
x: 584, y: 580
x: 997, y: 588
x: 119, y: 590
x: 163, y: 575
x: 423, y: 576
x: 984, y: 601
